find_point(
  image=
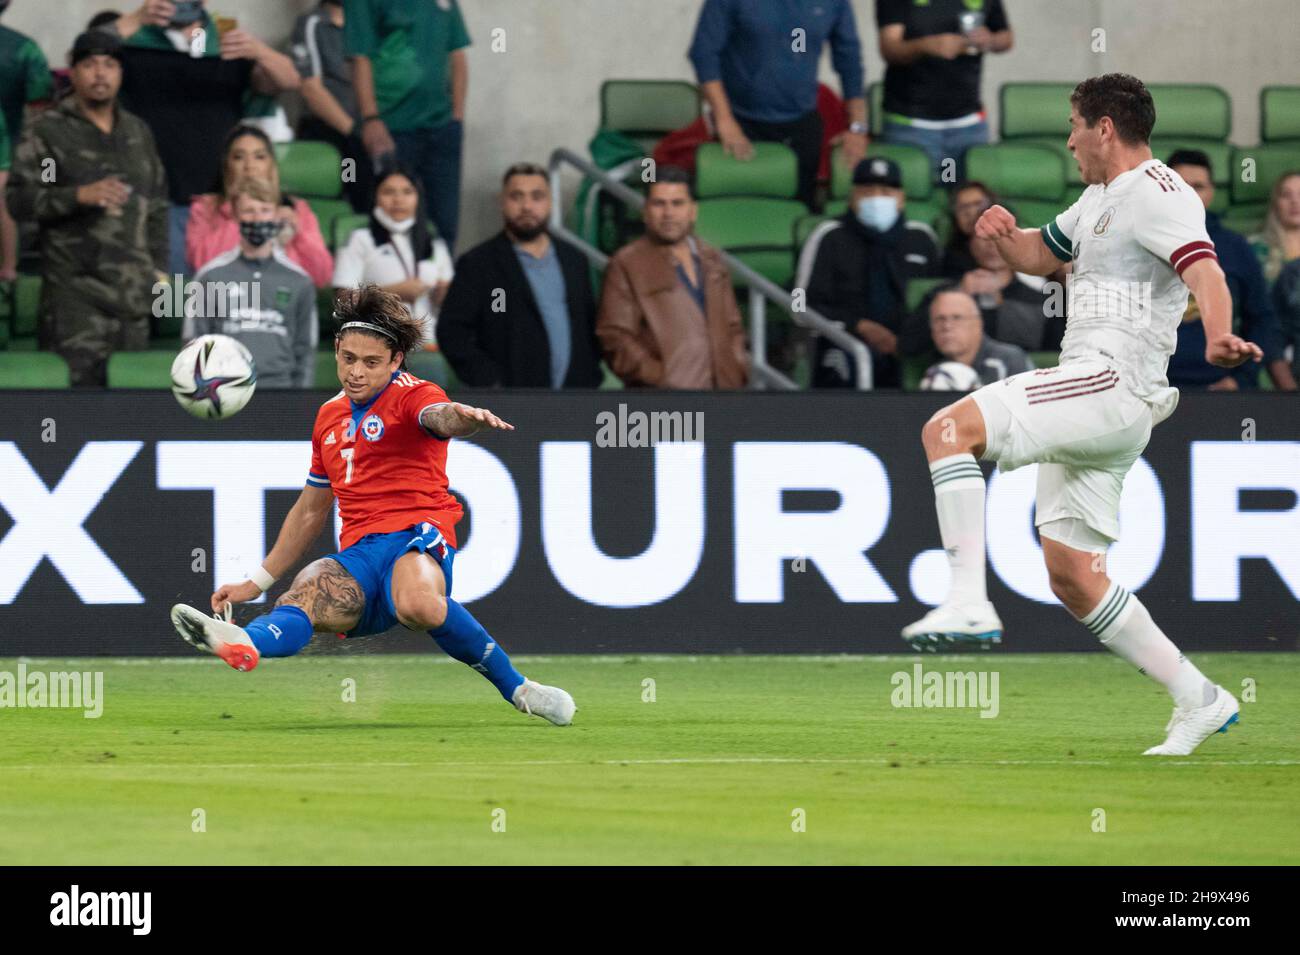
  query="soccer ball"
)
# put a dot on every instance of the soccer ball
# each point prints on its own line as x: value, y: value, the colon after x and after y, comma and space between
x: 950, y: 376
x: 213, y: 376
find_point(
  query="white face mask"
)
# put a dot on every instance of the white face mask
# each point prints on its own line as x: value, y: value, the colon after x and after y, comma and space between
x: 391, y: 224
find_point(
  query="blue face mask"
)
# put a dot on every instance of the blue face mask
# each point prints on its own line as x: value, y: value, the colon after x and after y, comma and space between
x: 187, y: 12
x: 877, y: 212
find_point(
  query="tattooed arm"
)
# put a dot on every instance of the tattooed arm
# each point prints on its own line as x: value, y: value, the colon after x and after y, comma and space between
x: 451, y: 419
x: 304, y: 522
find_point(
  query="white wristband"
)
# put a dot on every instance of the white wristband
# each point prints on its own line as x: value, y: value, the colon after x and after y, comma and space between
x: 262, y: 579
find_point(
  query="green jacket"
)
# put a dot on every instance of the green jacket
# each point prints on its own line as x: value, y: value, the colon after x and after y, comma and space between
x: 106, y: 262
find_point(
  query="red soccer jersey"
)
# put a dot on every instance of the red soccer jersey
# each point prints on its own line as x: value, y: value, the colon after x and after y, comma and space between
x: 386, y: 470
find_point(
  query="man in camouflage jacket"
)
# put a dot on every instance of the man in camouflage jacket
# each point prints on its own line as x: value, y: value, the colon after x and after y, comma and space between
x: 88, y: 173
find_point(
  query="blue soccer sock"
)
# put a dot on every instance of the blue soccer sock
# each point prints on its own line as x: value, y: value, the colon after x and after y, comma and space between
x: 463, y: 638
x: 282, y: 632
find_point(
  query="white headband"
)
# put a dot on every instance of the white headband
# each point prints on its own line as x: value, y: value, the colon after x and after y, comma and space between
x: 368, y: 327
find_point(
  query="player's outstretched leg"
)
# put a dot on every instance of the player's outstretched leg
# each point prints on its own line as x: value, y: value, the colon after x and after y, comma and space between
x: 419, y: 590
x: 463, y: 638
x: 324, y: 597
x: 966, y: 617
x: 1124, y: 626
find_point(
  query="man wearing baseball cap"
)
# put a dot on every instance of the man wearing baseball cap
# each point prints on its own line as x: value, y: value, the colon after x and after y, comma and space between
x: 102, y: 216
x: 856, y: 268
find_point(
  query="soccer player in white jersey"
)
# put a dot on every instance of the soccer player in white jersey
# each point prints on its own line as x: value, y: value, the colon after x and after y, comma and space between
x: 1137, y: 242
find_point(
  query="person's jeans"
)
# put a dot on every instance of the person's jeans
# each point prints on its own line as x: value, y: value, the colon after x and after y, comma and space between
x: 178, y: 221
x: 939, y: 145
x: 434, y: 155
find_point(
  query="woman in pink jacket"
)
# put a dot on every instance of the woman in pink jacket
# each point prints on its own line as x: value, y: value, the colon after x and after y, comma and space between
x: 213, y: 228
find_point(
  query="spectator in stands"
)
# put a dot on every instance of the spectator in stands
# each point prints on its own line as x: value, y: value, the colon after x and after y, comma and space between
x: 967, y: 203
x: 934, y: 53
x: 1252, y: 309
x: 957, y: 328
x: 519, y: 312
x: 257, y: 295
x: 668, y: 313
x: 332, y: 116
x: 189, y: 81
x: 24, y: 78
x: 777, y: 101
x: 856, y: 271
x: 213, y: 228
x: 1280, y: 241
x: 398, y: 252
x: 1286, y: 303
x: 102, y: 221
x: 410, y: 74
x: 1018, y: 309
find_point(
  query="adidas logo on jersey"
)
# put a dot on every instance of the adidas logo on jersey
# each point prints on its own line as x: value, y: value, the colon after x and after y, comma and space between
x: 330, y: 439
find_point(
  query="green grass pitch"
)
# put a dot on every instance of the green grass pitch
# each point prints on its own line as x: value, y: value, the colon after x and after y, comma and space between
x: 416, y: 770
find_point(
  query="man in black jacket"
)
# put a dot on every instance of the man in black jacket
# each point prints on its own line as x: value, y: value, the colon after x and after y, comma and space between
x: 520, y: 312
x: 856, y: 270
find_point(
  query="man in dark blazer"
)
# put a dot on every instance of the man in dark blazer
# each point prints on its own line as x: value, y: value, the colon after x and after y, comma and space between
x: 520, y: 311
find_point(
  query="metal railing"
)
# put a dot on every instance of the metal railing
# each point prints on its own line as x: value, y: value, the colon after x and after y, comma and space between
x: 761, y: 290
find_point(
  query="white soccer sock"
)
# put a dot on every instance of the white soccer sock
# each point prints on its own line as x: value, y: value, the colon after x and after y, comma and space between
x: 959, y: 499
x: 1124, y: 626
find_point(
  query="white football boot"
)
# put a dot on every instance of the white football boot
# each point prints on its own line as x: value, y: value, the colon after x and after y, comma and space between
x: 948, y: 628
x: 1188, y: 729
x: 548, y: 702
x: 216, y: 634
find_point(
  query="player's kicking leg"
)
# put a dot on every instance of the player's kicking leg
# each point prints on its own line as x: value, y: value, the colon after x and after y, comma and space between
x: 1124, y: 626
x: 420, y: 600
x: 323, y: 597
x: 953, y: 439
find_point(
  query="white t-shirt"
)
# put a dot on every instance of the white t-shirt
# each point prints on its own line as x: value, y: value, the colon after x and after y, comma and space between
x: 1130, y: 241
x: 360, y: 261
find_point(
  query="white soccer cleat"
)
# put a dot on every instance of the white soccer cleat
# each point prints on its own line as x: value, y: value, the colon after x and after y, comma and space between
x: 548, y: 702
x: 946, y: 628
x: 216, y: 635
x: 1188, y: 729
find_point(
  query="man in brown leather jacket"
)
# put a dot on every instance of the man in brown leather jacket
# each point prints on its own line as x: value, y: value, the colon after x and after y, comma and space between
x: 668, y: 314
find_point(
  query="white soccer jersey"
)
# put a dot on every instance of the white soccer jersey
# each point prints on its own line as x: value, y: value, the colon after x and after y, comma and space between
x: 1130, y: 241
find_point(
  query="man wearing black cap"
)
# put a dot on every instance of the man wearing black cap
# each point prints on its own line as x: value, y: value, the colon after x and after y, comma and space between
x: 855, y: 270
x: 88, y: 174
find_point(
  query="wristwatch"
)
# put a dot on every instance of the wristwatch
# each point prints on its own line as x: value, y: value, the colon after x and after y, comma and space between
x: 859, y: 129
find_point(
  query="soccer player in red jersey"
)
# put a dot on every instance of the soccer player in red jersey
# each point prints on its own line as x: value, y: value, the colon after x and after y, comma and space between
x: 380, y: 447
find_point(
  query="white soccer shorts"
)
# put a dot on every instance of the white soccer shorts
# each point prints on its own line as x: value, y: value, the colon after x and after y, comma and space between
x: 1083, y: 427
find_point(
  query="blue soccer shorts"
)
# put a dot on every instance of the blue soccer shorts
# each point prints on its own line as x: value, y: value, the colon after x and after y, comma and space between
x: 371, y: 559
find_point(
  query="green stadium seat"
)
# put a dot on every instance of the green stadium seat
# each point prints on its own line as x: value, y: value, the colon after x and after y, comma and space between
x: 27, y: 306
x: 1013, y: 170
x: 28, y: 344
x: 757, y: 231
x: 1040, y: 110
x: 141, y: 369
x: 327, y: 212
x: 806, y: 226
x: 772, y: 173
x: 912, y: 161
x: 1191, y: 110
x: 918, y: 289
x: 609, y: 381
x: 1279, y: 113
x: 1245, y: 219
x: 645, y: 110
x: 310, y: 169
x: 875, y: 95
x: 1034, y: 213
x: 1045, y: 359
x: 36, y: 369
x: 914, y: 367
x: 327, y: 370
x: 1270, y: 161
x: 432, y: 366
x: 345, y: 225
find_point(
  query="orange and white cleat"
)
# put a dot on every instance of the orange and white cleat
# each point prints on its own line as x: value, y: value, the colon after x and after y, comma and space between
x: 217, y: 635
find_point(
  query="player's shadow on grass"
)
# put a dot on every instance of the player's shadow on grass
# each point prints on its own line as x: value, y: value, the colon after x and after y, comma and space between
x: 283, y: 727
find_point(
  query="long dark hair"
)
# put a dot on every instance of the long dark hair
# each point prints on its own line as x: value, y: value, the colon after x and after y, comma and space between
x: 421, y: 232
x: 237, y: 132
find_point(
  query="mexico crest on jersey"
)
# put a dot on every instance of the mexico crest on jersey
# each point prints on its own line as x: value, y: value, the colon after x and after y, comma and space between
x: 1104, y: 222
x: 372, y: 427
